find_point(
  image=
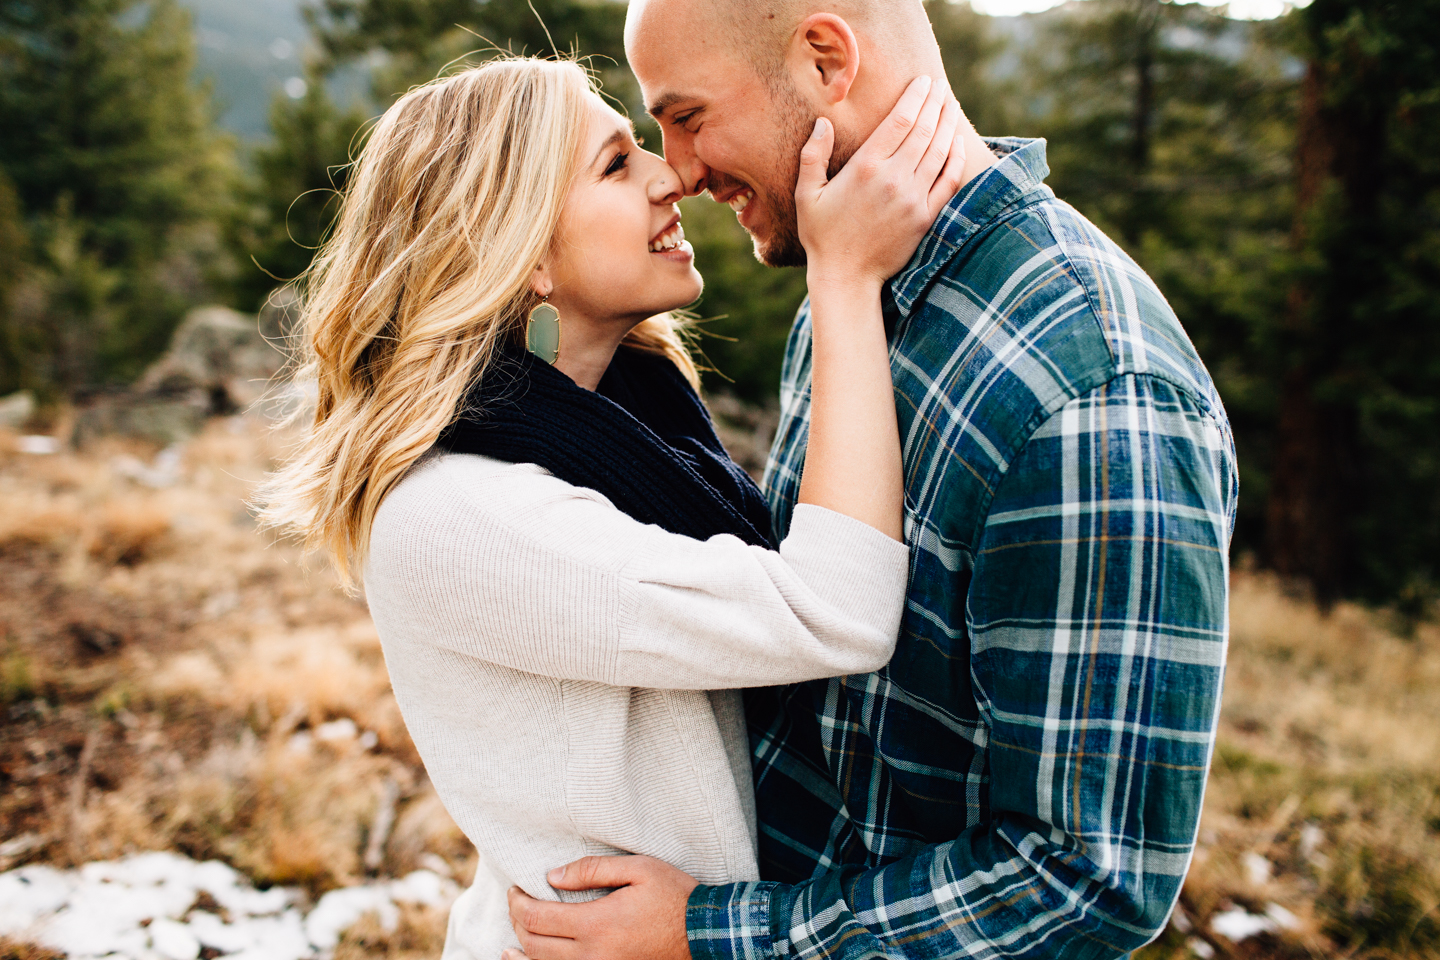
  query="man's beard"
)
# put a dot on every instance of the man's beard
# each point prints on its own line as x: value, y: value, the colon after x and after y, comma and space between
x: 796, y: 123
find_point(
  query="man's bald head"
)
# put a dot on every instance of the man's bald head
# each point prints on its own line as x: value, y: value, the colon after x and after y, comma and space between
x: 759, y: 32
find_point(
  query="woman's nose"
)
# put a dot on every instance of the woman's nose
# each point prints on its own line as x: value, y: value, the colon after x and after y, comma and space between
x: 666, y: 186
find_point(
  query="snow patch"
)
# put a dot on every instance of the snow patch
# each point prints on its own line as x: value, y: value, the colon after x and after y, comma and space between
x: 1239, y: 924
x: 144, y: 908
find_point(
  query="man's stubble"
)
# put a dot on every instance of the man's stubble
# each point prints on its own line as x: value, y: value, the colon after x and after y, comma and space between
x: 794, y: 122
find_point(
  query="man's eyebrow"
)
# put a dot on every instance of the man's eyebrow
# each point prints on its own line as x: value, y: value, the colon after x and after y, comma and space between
x: 610, y: 141
x: 666, y: 102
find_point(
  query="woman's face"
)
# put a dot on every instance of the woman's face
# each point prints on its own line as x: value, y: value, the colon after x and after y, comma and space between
x: 621, y: 255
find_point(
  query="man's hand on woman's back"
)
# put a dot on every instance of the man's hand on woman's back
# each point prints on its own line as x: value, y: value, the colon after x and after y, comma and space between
x: 643, y: 918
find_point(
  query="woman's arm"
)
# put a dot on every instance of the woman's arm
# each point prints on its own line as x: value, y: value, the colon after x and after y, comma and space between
x: 507, y: 564
x: 859, y: 229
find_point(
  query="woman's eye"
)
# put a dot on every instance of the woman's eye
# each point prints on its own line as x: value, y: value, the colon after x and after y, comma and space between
x: 617, y: 164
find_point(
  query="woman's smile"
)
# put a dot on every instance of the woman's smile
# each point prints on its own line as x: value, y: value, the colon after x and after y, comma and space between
x: 670, y: 243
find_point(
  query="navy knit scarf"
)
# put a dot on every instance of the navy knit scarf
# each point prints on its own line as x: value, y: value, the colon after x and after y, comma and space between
x: 643, y: 439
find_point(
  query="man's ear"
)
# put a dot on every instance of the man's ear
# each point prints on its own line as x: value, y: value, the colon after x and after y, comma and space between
x: 824, y: 57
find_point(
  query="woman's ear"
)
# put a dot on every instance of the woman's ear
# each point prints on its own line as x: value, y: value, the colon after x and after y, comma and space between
x: 540, y: 283
x: 824, y: 58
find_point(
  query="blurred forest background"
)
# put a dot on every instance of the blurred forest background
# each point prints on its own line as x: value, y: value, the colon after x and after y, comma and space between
x: 1279, y: 179
x: 170, y: 680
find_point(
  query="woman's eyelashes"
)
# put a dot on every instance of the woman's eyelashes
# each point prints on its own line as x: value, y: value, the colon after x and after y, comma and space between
x: 617, y: 164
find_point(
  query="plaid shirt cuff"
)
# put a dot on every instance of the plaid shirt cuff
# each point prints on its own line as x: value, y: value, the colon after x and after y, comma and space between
x: 731, y: 922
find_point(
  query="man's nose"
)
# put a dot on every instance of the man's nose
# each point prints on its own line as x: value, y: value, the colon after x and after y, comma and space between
x: 680, y: 154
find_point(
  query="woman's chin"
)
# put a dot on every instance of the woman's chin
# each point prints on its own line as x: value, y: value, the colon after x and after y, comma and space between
x: 688, y: 292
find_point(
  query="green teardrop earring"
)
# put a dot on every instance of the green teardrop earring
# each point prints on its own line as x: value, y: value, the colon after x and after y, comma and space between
x: 542, y: 333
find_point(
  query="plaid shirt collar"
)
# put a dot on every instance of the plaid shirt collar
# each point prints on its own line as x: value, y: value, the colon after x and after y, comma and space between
x: 1017, y: 179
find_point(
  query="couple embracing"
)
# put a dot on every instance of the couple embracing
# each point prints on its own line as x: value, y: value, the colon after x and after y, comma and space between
x: 947, y: 687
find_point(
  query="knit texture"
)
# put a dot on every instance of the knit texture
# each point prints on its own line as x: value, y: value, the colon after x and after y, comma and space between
x: 569, y: 674
x: 642, y: 438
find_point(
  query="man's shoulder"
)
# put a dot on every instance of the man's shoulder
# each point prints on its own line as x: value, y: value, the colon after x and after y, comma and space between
x: 1040, y: 308
x: 1033, y: 311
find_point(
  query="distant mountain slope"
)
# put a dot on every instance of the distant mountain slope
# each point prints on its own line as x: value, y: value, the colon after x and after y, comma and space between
x: 249, y: 48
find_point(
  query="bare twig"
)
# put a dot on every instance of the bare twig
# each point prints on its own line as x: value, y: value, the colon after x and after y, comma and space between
x: 384, y: 822
x: 78, y: 789
x: 15, y: 850
x: 1277, y: 823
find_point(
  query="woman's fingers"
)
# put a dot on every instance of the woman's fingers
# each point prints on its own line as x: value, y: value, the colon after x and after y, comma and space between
x: 922, y: 132
x: 940, y: 145
x: 950, y: 176
x: 893, y: 130
x: 815, y: 161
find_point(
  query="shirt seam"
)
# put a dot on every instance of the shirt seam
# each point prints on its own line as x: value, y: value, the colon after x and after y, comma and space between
x: 949, y: 248
x: 1044, y: 414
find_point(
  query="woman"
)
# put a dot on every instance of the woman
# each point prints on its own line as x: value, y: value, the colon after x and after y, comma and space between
x: 570, y: 578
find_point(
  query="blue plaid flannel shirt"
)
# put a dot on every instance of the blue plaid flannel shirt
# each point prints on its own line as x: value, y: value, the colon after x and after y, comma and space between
x: 1024, y: 779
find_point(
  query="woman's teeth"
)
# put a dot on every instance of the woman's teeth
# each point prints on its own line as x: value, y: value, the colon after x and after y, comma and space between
x: 668, y: 240
x: 741, y: 200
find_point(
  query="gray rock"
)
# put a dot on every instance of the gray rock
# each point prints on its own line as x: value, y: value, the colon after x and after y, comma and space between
x: 16, y: 410
x: 220, y: 362
x: 217, y: 351
x: 164, y: 420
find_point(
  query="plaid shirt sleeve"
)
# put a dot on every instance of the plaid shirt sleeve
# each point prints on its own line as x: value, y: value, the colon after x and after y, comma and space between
x: 1097, y: 615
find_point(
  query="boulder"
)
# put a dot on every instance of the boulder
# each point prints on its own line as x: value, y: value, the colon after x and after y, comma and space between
x: 220, y: 353
x: 16, y: 410
x: 220, y: 362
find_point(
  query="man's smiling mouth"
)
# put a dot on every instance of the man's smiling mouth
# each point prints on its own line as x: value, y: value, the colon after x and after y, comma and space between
x: 740, y: 201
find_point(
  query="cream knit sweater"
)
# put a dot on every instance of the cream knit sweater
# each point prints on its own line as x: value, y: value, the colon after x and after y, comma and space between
x: 570, y: 675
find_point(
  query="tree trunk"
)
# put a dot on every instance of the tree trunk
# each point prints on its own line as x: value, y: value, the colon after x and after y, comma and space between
x: 1306, y: 524
x: 1146, y: 24
x: 1142, y: 213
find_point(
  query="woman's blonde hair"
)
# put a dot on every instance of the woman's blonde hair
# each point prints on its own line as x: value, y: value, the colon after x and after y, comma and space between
x: 453, y: 202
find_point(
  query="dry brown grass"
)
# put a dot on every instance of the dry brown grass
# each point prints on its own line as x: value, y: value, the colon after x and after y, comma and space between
x: 10, y: 950
x: 420, y: 935
x: 1328, y: 767
x: 164, y: 668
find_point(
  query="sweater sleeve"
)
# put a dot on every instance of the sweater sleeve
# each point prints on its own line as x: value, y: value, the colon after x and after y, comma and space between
x: 511, y: 565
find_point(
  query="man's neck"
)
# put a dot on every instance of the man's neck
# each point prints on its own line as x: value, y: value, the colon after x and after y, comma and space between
x: 978, y: 157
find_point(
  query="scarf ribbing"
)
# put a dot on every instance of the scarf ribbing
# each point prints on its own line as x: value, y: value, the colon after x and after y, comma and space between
x: 642, y: 438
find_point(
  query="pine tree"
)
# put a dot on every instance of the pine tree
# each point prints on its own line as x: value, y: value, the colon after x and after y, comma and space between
x: 14, y: 253
x: 117, y: 169
x: 1355, y: 504
x: 419, y: 37
x: 295, y: 190
x: 1173, y: 128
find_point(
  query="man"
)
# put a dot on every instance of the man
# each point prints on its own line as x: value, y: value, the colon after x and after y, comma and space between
x: 1025, y: 777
